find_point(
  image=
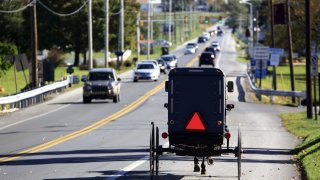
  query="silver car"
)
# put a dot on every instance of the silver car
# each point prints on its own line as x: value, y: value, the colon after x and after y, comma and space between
x: 171, y: 60
x: 101, y: 83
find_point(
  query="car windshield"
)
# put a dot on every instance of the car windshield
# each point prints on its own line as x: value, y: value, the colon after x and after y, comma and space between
x: 145, y: 66
x: 93, y: 76
x: 161, y: 62
x: 167, y: 58
x: 190, y: 47
x: 206, y: 55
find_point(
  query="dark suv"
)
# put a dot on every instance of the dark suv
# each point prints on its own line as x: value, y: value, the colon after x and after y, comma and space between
x: 101, y: 83
x: 211, y: 49
x: 206, y: 58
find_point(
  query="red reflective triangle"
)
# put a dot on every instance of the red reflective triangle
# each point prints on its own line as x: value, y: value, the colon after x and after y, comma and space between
x: 195, y: 123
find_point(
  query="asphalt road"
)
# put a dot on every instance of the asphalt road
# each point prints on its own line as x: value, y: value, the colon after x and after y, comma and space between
x: 65, y: 139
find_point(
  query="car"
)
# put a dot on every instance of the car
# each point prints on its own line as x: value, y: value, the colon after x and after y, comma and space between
x: 146, y: 71
x: 101, y: 83
x: 220, y: 33
x: 189, y: 50
x: 171, y: 60
x: 201, y: 39
x: 193, y: 44
x: 211, y: 49
x: 206, y: 35
x: 162, y: 42
x: 216, y: 45
x: 206, y: 57
x: 155, y: 62
x: 163, y: 66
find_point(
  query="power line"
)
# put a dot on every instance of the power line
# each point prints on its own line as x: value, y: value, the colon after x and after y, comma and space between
x: 62, y: 14
x: 17, y: 10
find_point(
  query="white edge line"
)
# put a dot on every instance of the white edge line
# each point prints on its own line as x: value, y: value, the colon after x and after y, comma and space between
x: 131, y: 166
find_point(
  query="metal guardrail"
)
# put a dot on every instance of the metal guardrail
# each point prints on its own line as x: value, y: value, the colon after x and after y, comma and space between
x: 34, y: 96
x: 258, y: 91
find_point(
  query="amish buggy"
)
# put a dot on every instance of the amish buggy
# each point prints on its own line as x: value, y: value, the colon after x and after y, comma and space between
x: 197, y: 123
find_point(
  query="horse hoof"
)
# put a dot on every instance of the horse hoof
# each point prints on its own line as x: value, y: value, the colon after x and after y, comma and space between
x: 196, y: 168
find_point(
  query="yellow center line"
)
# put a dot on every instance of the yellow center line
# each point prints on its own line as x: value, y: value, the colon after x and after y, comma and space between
x: 91, y: 127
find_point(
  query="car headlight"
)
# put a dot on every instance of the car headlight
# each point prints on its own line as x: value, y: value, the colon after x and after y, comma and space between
x: 87, y: 88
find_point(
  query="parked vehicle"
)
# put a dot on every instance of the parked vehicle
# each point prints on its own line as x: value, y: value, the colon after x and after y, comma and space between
x: 146, y: 71
x: 206, y: 58
x: 171, y: 60
x: 101, y: 83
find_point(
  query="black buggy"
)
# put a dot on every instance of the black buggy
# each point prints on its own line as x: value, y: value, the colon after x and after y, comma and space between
x: 196, y: 118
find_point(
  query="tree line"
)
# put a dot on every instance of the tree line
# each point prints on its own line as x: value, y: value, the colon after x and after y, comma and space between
x: 66, y: 33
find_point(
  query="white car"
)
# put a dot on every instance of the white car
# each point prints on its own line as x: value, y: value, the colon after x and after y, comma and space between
x: 205, y: 35
x: 215, y: 45
x: 155, y: 62
x: 190, y: 50
x: 171, y: 60
x: 146, y: 71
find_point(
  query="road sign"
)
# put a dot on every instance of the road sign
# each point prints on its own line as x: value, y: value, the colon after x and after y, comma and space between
x: 274, y: 59
x: 279, y: 51
x: 314, y: 66
x: 195, y: 123
x: 261, y: 53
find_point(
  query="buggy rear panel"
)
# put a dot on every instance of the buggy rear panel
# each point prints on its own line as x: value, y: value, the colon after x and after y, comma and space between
x: 193, y: 94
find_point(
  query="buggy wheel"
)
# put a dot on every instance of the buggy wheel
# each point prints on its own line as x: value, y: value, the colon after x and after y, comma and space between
x: 151, y: 150
x: 239, y: 152
x: 156, y: 153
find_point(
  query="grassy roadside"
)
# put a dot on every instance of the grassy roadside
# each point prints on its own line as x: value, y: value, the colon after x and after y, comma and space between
x: 307, y: 153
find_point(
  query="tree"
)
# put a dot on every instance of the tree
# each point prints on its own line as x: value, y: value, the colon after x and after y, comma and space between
x: 11, y: 23
x: 6, y: 49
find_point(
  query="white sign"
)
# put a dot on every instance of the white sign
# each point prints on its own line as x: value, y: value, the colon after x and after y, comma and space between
x: 261, y: 53
x: 274, y: 59
x: 314, y: 66
x: 276, y: 51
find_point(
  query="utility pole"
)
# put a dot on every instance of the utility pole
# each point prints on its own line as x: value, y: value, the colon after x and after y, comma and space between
x: 138, y: 35
x: 122, y: 27
x: 170, y: 19
x: 34, y: 31
x: 149, y: 27
x: 308, y: 59
x: 290, y: 49
x: 106, y: 43
x: 90, y: 33
x: 274, y: 79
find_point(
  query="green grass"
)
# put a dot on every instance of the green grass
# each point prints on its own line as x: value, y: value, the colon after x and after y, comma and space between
x: 308, y: 153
